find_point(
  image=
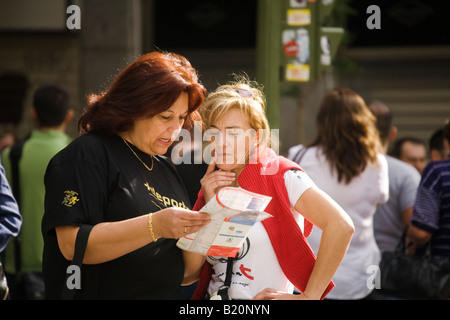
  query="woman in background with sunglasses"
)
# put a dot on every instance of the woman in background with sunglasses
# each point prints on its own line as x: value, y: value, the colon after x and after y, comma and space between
x: 276, y: 256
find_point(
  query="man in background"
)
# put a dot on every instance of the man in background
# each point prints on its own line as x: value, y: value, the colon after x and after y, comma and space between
x: 13, y: 93
x: 439, y: 147
x: 392, y: 217
x: 51, y: 114
x: 431, y: 217
x: 411, y: 150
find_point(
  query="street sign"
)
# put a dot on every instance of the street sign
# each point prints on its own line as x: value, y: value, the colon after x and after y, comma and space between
x: 308, y: 46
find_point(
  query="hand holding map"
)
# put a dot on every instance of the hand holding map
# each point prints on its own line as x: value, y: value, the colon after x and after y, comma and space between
x: 233, y: 212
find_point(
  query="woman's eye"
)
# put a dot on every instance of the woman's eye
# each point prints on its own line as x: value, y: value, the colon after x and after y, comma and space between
x: 213, y: 132
x: 233, y: 133
x: 167, y: 118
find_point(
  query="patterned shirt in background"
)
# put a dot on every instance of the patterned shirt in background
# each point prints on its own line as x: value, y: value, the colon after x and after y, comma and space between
x: 432, y: 206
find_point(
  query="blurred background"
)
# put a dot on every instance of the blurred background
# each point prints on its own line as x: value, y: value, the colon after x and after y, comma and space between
x: 405, y: 61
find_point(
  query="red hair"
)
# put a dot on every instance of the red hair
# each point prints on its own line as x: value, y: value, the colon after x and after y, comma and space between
x: 148, y: 86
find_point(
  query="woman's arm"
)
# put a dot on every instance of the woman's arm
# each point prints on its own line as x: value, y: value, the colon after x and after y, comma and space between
x: 193, y: 263
x: 110, y: 240
x: 418, y: 236
x: 337, y: 230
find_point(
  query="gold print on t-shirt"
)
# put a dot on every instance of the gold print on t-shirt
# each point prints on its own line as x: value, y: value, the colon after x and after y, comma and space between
x: 71, y: 197
x: 163, y: 201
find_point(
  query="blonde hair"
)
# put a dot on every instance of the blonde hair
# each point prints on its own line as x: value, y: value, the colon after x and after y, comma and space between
x: 248, y: 97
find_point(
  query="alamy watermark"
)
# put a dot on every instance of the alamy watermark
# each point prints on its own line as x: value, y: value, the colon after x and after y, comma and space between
x: 374, y: 20
x: 74, y: 19
x: 73, y: 280
x: 374, y: 279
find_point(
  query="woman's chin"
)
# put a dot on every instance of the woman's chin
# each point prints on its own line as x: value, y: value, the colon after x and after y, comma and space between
x: 225, y: 167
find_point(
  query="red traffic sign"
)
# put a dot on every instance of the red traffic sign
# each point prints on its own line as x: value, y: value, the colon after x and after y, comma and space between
x: 291, y: 48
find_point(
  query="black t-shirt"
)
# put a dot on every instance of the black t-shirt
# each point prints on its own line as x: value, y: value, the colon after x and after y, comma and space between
x: 99, y: 179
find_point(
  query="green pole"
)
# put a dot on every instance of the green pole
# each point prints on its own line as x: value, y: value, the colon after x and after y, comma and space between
x: 268, y: 56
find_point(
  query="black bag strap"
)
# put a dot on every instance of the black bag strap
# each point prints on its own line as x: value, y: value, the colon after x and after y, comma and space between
x: 80, y: 248
x: 401, y: 245
x: 227, y: 282
x: 223, y: 290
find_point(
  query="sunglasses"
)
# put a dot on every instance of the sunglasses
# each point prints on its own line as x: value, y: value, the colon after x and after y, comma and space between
x: 242, y: 92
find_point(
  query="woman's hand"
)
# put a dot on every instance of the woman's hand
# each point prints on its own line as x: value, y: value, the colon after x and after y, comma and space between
x: 213, y: 181
x: 177, y: 222
x: 272, y: 294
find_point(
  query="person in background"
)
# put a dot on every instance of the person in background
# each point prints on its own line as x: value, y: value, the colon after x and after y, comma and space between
x: 13, y: 92
x: 346, y: 162
x: 431, y: 215
x: 439, y: 147
x: 392, y: 217
x: 276, y: 256
x: 114, y: 178
x: 411, y: 150
x: 51, y: 114
x: 10, y: 223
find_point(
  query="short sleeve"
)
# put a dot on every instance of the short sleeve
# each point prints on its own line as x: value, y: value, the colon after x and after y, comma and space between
x: 297, y: 182
x: 76, y: 193
x: 426, y: 207
x: 408, y: 190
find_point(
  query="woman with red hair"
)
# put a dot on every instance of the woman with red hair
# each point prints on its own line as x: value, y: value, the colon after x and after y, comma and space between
x: 114, y: 178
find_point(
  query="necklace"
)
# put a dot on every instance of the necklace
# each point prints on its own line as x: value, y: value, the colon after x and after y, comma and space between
x: 128, y: 145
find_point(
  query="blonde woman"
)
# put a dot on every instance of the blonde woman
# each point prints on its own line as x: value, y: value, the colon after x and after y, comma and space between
x: 276, y: 256
x: 345, y: 161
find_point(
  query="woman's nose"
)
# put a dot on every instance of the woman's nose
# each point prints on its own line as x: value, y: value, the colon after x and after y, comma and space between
x: 175, y: 127
x: 222, y: 140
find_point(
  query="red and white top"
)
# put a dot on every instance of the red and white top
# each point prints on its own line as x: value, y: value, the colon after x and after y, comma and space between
x: 256, y: 266
x: 287, y: 240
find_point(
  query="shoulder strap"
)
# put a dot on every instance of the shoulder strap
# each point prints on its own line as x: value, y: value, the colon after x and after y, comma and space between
x: 298, y: 157
x: 229, y: 274
x: 223, y: 291
x: 80, y: 248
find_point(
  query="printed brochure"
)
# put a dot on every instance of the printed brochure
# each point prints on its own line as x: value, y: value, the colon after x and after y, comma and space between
x: 233, y: 212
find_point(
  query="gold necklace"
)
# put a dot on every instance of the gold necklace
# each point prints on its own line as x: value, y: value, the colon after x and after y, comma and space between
x: 149, y: 169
